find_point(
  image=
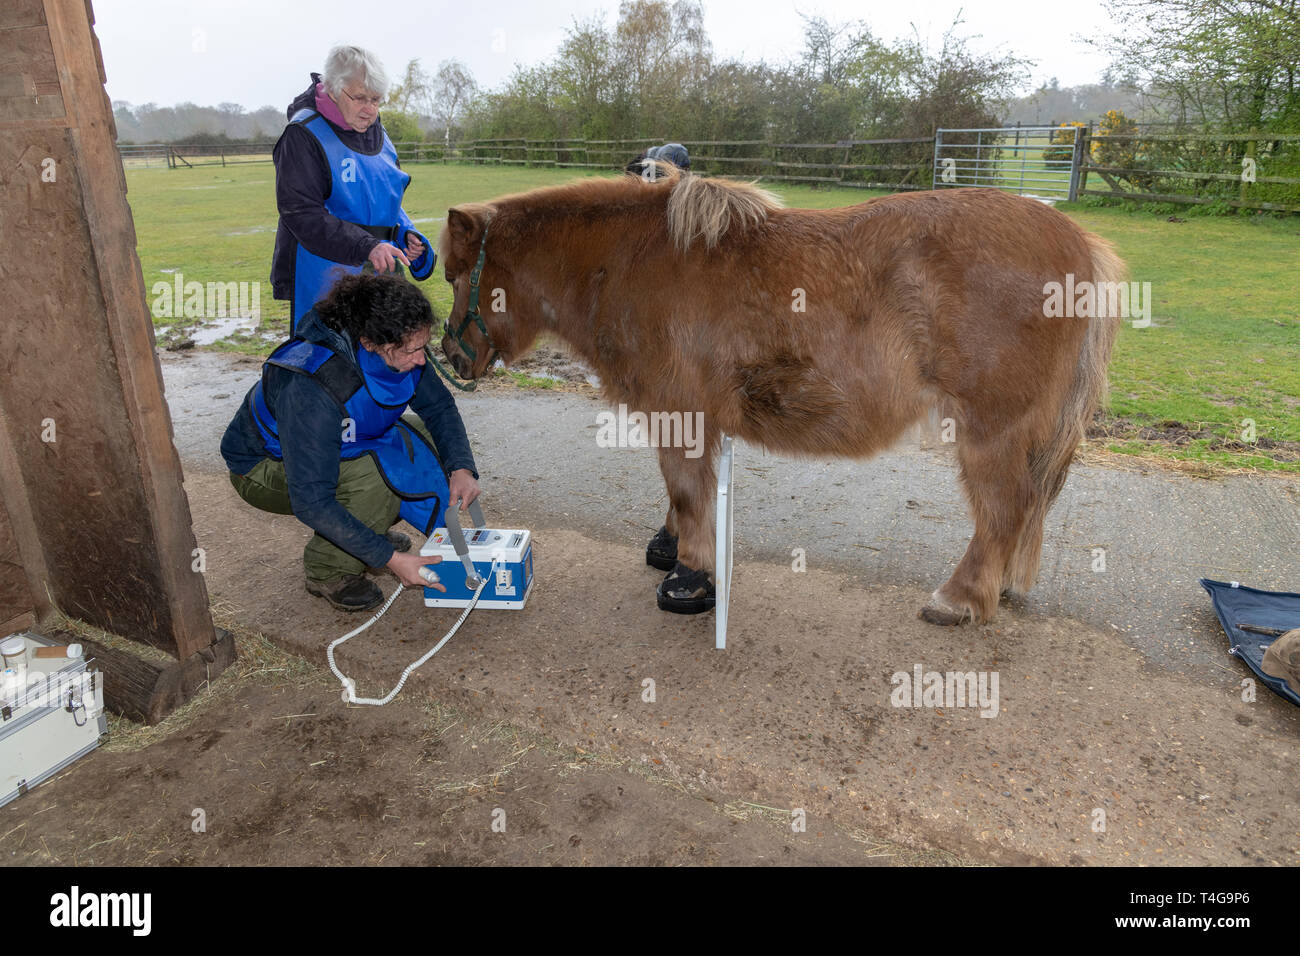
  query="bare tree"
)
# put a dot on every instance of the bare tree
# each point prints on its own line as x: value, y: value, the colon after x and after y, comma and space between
x: 452, y: 91
x: 414, y: 93
x: 828, y: 49
x: 662, y: 52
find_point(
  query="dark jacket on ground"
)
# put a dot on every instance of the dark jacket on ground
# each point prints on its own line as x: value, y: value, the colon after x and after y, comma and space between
x: 310, y: 425
x: 302, y: 184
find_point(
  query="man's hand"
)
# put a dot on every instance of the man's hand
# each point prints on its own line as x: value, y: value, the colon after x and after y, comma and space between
x: 414, y: 247
x: 407, y: 566
x: 385, y: 257
x: 462, y: 487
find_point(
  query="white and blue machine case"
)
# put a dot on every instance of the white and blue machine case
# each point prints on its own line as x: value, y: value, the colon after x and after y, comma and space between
x: 474, y: 552
x: 39, y: 738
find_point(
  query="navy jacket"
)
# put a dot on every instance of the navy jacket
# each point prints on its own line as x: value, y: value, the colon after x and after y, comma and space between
x: 302, y: 184
x: 310, y: 424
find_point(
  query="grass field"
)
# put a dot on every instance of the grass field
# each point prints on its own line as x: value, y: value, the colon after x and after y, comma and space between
x: 1223, y: 349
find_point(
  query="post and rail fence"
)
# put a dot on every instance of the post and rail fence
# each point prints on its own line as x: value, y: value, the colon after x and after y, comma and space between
x: 890, y: 164
x: 1257, y: 170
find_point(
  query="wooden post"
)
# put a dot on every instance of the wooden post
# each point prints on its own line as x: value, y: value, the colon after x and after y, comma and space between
x: 1087, y: 158
x: 1250, y: 154
x: 1076, y: 163
x: 90, y: 476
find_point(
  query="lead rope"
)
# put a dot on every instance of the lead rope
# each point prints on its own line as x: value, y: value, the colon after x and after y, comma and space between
x: 449, y: 376
x: 471, y: 314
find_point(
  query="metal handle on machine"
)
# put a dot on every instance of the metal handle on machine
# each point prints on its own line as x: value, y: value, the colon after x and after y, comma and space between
x: 472, y: 579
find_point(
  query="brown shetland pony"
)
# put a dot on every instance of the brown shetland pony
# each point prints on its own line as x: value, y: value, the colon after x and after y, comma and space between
x: 684, y: 294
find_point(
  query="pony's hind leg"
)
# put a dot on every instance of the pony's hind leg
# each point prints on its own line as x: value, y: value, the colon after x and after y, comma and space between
x: 1049, y: 465
x: 996, y: 478
x: 1022, y: 569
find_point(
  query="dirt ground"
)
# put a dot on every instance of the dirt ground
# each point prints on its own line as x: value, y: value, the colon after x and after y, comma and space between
x: 539, y: 718
x: 533, y: 736
x: 1178, y: 435
x: 282, y: 773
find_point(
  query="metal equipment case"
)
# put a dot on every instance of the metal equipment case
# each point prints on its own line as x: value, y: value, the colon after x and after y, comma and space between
x: 507, y: 589
x: 466, y: 556
x: 59, y: 718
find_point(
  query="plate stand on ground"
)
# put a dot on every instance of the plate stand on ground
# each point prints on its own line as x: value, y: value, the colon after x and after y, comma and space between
x: 722, y: 550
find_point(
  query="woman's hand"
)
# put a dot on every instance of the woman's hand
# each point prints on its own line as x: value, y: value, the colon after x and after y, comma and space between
x: 406, y: 567
x: 414, y: 247
x: 462, y: 487
x: 385, y: 256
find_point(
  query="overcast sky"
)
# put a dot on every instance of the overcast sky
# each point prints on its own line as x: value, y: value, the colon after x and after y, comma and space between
x: 260, y: 52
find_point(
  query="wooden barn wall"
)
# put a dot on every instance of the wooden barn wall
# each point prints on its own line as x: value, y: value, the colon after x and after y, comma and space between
x: 80, y: 386
x: 17, y: 605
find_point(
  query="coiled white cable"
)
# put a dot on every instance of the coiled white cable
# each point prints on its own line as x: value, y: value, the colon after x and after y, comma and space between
x: 350, y: 686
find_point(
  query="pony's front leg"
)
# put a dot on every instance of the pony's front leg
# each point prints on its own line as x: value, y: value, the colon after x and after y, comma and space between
x: 690, y: 476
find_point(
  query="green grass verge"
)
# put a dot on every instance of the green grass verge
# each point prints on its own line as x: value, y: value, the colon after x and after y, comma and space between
x: 524, y: 380
x: 1224, y: 346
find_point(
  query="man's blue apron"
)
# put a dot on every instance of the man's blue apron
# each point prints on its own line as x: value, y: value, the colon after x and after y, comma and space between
x: 365, y: 191
x: 373, y: 403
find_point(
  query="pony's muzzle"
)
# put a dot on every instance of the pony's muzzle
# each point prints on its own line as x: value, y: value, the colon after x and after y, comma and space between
x: 460, y: 362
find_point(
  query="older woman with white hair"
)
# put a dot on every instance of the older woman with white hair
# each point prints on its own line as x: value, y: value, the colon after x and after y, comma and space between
x: 339, y: 186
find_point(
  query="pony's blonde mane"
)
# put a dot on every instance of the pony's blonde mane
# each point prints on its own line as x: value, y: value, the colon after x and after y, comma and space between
x: 697, y: 208
x: 706, y: 209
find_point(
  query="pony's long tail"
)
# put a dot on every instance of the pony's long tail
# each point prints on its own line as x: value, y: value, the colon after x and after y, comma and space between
x: 1050, y: 461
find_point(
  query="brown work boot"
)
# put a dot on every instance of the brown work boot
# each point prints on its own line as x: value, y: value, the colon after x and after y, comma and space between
x: 352, y: 592
x: 1282, y: 659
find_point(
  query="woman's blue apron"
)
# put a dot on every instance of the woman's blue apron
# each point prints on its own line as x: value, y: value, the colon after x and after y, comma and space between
x: 365, y: 191
x: 373, y: 402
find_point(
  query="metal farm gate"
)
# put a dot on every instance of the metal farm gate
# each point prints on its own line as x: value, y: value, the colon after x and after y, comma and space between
x: 1037, y: 161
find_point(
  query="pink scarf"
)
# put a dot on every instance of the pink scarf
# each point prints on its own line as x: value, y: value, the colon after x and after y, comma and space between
x: 327, y: 108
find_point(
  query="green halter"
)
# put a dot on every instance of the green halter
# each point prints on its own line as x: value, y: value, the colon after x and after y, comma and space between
x: 471, y: 315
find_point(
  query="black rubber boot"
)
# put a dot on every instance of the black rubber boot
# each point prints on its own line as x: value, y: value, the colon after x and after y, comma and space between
x: 685, y: 591
x: 352, y: 592
x: 661, y: 552
x: 399, y: 541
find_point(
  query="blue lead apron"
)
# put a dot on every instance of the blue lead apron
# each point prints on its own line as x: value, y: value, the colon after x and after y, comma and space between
x: 373, y: 398
x: 365, y: 191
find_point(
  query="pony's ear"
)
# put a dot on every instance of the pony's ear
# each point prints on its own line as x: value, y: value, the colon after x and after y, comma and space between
x: 465, y: 224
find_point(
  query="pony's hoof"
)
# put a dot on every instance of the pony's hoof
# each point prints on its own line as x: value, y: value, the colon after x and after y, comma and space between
x: 940, y: 612
x: 941, y: 616
x: 1013, y: 597
x: 661, y: 552
x: 686, y: 591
